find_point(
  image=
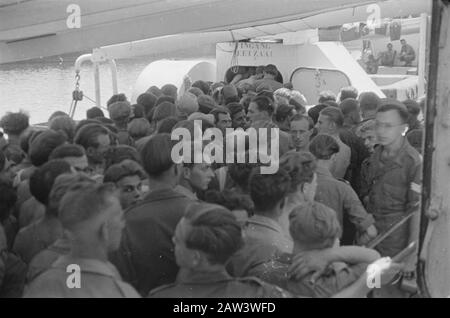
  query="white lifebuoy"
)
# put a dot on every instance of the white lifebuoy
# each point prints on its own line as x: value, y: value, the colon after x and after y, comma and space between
x: 163, y: 72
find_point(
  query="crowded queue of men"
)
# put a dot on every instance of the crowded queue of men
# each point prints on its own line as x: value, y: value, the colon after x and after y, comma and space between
x: 104, y: 194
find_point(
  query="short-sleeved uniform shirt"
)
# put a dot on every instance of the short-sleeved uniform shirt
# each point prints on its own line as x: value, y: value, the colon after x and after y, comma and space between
x: 392, y: 188
x: 340, y: 197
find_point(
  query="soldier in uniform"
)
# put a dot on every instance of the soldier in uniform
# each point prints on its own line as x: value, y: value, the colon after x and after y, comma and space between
x: 93, y: 218
x: 330, y: 122
x: 43, y: 260
x: 392, y: 183
x: 205, y: 239
x: 337, y: 194
x: 264, y: 232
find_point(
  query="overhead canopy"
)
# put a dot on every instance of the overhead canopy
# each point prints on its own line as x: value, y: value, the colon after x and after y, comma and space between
x: 36, y: 28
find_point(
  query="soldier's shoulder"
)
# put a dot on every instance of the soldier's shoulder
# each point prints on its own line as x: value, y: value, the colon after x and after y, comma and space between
x: 413, y: 154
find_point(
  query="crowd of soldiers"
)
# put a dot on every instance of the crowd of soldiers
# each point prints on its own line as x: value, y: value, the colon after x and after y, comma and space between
x: 104, y: 196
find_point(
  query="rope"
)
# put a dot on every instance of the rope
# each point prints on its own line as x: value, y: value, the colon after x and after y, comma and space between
x: 93, y: 101
x: 234, y: 59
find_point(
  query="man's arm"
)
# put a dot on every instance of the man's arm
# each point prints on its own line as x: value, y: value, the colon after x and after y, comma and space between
x: 356, y: 211
x: 318, y: 260
x: 385, y: 268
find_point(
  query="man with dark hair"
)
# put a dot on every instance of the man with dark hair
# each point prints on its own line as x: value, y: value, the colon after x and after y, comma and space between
x: 14, y: 125
x: 164, y: 98
x: 94, y: 112
x: 314, y: 112
x: 249, y: 83
x: 368, y: 103
x: 84, y: 122
x: 43, y: 260
x: 194, y: 177
x: 14, y: 154
x: 260, y: 108
x: 43, y: 145
x: 119, y: 153
x: 155, y: 91
x: 93, y: 218
x: 260, y: 113
x: 120, y: 113
x: 39, y: 152
x: 301, y: 129
x: 73, y: 155
x: 264, y: 235
x: 269, y: 74
x: 205, y: 239
x: 230, y: 94
x: 95, y: 140
x: 392, y: 181
x: 348, y: 92
x: 238, y: 118
x: 39, y: 235
x: 352, y: 119
x: 127, y: 176
x: 148, y: 101
x: 163, y: 110
x: 240, y: 174
x: 63, y: 124
x: 337, y: 194
x: 139, y: 128
x: 25, y: 168
x: 330, y: 122
x: 205, y: 104
x: 145, y: 258
x: 240, y: 205
x: 283, y: 116
x: 195, y: 91
x: 203, y: 86
x: 116, y: 98
x: 170, y: 90
x: 413, y: 108
x: 222, y: 118
x: 137, y: 111
x: 351, y: 111
x: 167, y: 125
x: 366, y: 131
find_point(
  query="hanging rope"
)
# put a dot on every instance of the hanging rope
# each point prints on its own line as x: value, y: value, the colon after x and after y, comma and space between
x: 234, y: 58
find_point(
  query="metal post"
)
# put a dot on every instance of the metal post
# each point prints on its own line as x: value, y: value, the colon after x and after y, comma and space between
x: 113, y: 67
x: 422, y: 52
x: 97, y: 84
